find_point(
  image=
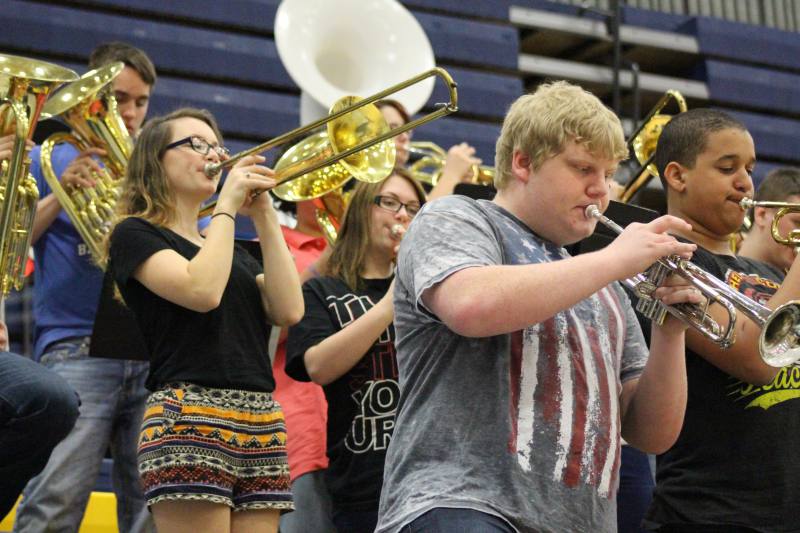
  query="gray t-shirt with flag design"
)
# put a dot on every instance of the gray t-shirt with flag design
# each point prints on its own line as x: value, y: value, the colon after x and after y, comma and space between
x: 525, y: 426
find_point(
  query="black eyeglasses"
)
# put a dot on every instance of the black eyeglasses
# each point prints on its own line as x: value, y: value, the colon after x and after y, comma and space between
x: 199, y: 145
x: 394, y: 205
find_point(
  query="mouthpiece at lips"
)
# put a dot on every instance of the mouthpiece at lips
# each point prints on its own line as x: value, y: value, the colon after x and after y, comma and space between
x: 398, y: 230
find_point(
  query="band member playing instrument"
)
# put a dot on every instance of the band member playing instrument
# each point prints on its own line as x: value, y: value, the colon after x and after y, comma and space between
x: 212, y: 439
x: 520, y: 365
x: 66, y: 291
x: 780, y: 185
x: 345, y: 342
x: 457, y: 166
x: 37, y: 408
x: 734, y: 466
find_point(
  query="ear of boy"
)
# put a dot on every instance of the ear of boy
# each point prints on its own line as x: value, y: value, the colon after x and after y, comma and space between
x: 675, y: 177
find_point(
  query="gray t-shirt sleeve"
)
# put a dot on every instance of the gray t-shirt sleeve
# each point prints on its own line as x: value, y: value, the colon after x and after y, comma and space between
x: 448, y: 235
x: 634, y: 351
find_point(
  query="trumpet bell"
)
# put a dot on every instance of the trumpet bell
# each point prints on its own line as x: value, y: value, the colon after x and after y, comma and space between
x: 780, y: 336
x: 372, y: 164
x: 333, y: 49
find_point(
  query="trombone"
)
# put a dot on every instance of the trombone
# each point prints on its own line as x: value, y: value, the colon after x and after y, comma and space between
x: 779, y: 342
x: 642, y: 143
x: 345, y: 128
x: 784, y: 208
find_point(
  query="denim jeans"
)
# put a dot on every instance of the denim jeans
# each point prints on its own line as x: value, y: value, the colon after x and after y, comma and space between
x: 112, y: 397
x: 37, y: 410
x: 454, y: 520
x: 635, y: 490
x: 312, y: 506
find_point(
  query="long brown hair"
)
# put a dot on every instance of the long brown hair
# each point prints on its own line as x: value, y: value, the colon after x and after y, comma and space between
x: 350, y: 249
x: 145, y: 190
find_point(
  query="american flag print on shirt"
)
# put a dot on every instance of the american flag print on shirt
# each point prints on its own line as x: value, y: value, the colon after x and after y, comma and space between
x: 564, y: 394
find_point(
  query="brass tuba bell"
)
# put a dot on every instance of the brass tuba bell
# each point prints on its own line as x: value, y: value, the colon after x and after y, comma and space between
x: 88, y: 106
x: 25, y: 84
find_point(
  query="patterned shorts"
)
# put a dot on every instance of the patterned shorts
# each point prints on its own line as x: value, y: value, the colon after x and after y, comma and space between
x: 215, y: 445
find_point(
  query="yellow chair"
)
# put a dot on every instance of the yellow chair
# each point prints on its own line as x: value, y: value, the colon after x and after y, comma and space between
x: 100, y: 517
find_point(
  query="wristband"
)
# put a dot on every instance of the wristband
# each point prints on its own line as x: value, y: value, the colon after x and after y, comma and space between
x: 223, y: 213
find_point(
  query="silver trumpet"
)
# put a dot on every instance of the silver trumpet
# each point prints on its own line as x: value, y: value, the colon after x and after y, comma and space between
x: 779, y: 342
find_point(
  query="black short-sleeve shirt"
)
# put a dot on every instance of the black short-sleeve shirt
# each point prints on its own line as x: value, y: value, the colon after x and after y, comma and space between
x: 225, y: 347
x: 735, y: 463
x: 362, y: 403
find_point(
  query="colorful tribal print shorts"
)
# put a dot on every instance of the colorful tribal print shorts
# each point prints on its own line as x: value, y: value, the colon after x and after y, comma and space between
x: 215, y: 445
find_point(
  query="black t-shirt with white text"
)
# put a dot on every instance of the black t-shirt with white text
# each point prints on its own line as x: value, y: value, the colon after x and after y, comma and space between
x: 223, y: 348
x: 736, y: 461
x: 362, y: 404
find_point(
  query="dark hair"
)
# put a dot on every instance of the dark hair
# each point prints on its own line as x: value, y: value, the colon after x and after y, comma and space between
x: 130, y: 55
x: 388, y: 102
x: 686, y: 136
x: 350, y: 249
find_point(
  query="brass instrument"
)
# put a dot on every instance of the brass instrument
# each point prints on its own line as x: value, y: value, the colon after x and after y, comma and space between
x: 88, y: 106
x: 784, y: 208
x: 356, y: 137
x: 779, y: 342
x: 642, y: 143
x: 428, y: 168
x: 25, y: 84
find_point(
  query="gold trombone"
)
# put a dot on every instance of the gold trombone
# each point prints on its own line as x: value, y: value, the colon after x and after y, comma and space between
x: 642, y: 143
x: 779, y: 342
x: 784, y: 208
x: 25, y: 85
x: 428, y: 168
x: 356, y: 137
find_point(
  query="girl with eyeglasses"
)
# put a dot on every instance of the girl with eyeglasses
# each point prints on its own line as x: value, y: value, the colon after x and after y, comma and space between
x: 345, y: 342
x: 212, y: 446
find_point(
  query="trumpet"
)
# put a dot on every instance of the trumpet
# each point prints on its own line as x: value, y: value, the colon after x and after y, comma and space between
x: 779, y: 341
x: 784, y: 208
x: 353, y: 126
x: 428, y: 168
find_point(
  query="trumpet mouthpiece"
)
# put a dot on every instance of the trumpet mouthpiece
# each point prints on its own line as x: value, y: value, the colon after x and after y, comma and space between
x: 592, y: 211
x: 746, y: 203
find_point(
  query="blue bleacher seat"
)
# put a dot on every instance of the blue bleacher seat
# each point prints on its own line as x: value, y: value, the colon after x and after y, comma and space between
x: 496, y: 9
x: 655, y: 20
x: 755, y: 87
x: 256, y: 15
x: 775, y: 138
x: 176, y: 48
x: 480, y: 93
x: 465, y: 41
x: 745, y: 42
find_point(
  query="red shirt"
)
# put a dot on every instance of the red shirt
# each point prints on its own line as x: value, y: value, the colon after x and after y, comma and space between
x: 304, y: 405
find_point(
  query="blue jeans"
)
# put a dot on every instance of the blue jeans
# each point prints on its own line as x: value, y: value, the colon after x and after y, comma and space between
x: 37, y: 410
x: 312, y: 506
x: 112, y: 397
x: 635, y: 490
x: 454, y: 520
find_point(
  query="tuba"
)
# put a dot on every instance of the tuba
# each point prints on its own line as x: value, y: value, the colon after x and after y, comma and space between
x: 25, y: 84
x: 88, y: 106
x: 428, y: 168
x: 642, y: 143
